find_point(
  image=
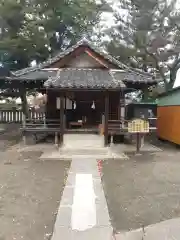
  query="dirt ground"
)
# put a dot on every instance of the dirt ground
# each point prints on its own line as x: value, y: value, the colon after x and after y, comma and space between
x: 9, y: 136
x: 143, y: 189
x: 30, y: 192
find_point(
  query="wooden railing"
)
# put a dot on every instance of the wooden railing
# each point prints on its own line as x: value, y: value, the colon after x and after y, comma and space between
x: 16, y: 116
x: 117, y: 126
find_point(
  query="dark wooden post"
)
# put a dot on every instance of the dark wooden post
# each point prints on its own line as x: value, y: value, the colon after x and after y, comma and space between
x: 24, y: 102
x: 119, y: 107
x: 138, y: 142
x: 122, y: 104
x: 106, y: 116
x: 25, y: 114
x: 61, y: 120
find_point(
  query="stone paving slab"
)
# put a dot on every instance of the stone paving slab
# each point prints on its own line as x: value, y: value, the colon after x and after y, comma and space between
x: 83, y: 140
x: 96, y: 233
x: 166, y: 230
x: 133, y: 235
x: 88, y: 217
x: 68, y: 154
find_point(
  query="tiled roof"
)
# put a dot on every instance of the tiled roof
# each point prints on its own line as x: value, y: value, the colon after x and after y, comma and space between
x: 83, y: 42
x: 137, y: 77
x: 84, y: 79
x: 38, y: 75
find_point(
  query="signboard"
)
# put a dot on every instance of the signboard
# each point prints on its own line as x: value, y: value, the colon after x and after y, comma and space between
x: 138, y: 126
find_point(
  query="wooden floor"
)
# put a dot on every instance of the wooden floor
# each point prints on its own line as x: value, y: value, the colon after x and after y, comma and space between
x: 83, y: 130
x: 44, y: 129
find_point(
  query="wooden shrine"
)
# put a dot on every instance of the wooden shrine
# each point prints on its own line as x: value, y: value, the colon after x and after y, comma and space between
x: 85, y: 89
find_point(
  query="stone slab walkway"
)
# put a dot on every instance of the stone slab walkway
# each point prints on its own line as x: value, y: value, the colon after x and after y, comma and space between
x: 89, y: 146
x: 166, y: 230
x: 83, y: 213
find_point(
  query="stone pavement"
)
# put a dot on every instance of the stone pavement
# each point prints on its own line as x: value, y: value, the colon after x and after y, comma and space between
x: 83, y: 213
x: 82, y: 146
x: 166, y: 230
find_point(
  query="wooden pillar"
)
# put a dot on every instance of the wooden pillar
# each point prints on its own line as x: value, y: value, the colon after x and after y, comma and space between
x: 119, y: 107
x: 61, y: 120
x: 25, y: 114
x: 24, y: 102
x: 106, y: 116
x: 122, y: 106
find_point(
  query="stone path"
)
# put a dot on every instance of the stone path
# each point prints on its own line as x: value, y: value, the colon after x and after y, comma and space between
x: 82, y: 146
x: 169, y: 230
x: 83, y: 213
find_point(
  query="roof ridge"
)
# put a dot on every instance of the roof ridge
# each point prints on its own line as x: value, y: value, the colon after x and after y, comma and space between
x: 58, y: 54
x: 69, y: 50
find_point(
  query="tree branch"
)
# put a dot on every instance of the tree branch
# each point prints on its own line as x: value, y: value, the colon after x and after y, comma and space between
x: 173, y: 72
x: 157, y: 66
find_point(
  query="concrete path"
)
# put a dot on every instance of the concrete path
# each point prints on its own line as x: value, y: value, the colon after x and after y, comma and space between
x: 166, y: 230
x: 83, y: 213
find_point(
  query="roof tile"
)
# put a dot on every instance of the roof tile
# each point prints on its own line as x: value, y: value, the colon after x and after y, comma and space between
x: 84, y: 78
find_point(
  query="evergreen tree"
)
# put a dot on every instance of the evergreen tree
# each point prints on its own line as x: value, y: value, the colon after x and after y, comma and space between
x: 35, y: 29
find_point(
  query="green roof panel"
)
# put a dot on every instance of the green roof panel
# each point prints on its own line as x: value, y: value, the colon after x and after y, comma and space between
x: 170, y: 99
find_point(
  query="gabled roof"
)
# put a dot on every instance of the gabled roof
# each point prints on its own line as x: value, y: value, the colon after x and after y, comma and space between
x: 86, y: 43
x: 71, y: 78
x: 42, y: 74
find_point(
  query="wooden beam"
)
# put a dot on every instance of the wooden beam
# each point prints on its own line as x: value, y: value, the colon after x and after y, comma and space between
x: 106, y: 116
x: 61, y: 120
x: 97, y: 59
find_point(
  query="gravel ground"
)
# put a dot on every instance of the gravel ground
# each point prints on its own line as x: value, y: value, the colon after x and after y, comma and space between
x: 30, y: 192
x: 144, y: 189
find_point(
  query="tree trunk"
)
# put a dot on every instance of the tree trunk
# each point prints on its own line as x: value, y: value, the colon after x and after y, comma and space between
x: 173, y: 73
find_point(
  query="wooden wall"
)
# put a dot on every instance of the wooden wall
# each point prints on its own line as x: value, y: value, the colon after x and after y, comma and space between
x: 168, y: 120
x: 51, y: 111
x: 83, y: 106
x: 83, y: 61
x: 79, y: 54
